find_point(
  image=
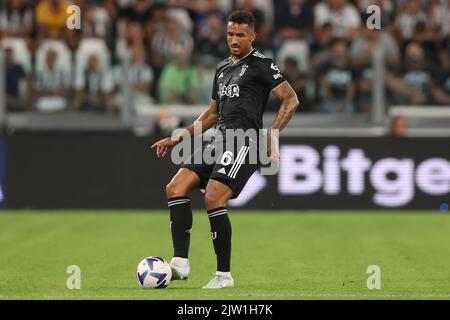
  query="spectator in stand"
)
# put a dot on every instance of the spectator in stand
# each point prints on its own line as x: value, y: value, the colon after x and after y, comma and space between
x: 169, y: 41
x: 16, y: 19
x: 97, y: 21
x: 112, y: 31
x: 51, y: 16
x: 264, y: 42
x: 137, y: 12
x: 362, y: 50
x: 250, y: 6
x: 133, y: 40
x: 162, y: 29
x: 73, y: 39
x: 337, y: 81
x: 260, y: 10
x: 399, y: 127
x: 206, y: 69
x: 416, y: 76
x: 296, y: 79
x: 426, y: 38
x: 441, y: 91
x: 179, y: 81
x: 320, y: 47
x: 407, y: 18
x: 94, y: 88
x: 259, y: 6
x: 438, y: 19
x: 211, y: 42
x: 199, y: 10
x: 51, y: 85
x: 294, y: 19
x: 343, y: 16
x: 368, y: 41
x: 16, y: 79
x: 181, y: 15
x: 140, y: 80
x: 155, y: 22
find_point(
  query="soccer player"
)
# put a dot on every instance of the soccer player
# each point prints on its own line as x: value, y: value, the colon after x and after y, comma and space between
x: 241, y: 87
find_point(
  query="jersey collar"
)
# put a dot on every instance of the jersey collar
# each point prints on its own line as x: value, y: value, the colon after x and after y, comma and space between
x: 235, y: 62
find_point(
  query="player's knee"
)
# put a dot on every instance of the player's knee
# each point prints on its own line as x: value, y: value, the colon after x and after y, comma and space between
x: 212, y: 200
x: 174, y: 189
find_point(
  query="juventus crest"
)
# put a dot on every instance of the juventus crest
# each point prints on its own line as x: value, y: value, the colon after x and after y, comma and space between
x: 244, y: 67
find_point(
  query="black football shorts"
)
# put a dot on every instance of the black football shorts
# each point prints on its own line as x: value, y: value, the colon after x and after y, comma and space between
x: 233, y: 164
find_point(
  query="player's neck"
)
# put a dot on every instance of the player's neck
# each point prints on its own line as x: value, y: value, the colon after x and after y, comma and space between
x: 242, y: 56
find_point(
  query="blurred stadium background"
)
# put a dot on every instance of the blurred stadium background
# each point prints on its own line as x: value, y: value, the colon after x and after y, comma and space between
x: 79, y: 109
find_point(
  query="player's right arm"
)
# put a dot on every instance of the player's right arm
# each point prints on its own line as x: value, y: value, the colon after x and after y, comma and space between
x: 205, y: 121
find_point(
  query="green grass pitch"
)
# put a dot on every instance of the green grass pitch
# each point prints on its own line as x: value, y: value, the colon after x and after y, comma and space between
x: 276, y: 255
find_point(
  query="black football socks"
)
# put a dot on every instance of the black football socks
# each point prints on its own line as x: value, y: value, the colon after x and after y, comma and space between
x: 221, y: 237
x: 180, y: 224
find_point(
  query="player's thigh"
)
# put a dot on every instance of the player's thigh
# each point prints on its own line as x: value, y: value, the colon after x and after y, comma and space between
x: 184, y: 181
x: 197, y: 164
x: 217, y: 194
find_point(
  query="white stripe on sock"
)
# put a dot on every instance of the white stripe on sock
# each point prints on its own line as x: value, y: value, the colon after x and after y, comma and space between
x: 177, y: 202
x: 219, y: 214
x: 216, y: 212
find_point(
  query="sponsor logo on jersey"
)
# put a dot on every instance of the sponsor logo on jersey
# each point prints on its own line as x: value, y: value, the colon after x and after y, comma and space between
x: 222, y: 171
x: 230, y: 91
x: 274, y: 67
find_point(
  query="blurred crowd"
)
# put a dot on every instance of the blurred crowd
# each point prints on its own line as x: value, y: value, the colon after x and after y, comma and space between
x: 165, y: 52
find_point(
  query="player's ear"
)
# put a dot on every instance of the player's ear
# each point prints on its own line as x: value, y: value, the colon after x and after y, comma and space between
x: 253, y: 36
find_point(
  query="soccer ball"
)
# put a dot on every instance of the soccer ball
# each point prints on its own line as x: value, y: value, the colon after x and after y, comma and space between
x: 153, y: 273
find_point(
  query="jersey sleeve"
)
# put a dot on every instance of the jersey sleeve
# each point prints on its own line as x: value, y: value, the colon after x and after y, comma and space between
x: 270, y: 74
x: 214, y: 91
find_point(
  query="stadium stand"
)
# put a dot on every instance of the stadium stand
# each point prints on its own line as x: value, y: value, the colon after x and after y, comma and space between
x: 325, y: 48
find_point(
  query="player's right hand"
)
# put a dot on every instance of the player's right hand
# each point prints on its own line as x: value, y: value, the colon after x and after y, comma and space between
x: 163, y: 146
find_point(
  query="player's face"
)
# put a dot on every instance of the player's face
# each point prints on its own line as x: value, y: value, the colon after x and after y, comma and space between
x: 239, y: 37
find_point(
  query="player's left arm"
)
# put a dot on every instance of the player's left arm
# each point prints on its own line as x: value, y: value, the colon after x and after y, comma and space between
x: 289, y: 104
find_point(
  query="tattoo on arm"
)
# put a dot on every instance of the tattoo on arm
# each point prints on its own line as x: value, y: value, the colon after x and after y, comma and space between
x: 289, y: 104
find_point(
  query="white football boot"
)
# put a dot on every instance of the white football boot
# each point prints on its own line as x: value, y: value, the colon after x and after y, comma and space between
x: 180, y: 268
x: 220, y: 280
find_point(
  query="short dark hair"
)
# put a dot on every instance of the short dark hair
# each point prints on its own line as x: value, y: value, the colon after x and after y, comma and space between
x: 243, y: 17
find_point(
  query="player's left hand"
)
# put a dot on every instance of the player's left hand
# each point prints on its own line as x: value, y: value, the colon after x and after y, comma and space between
x: 273, y: 148
x: 163, y: 146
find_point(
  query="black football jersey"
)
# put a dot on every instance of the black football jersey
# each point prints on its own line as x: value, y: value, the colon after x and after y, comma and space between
x: 242, y: 89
